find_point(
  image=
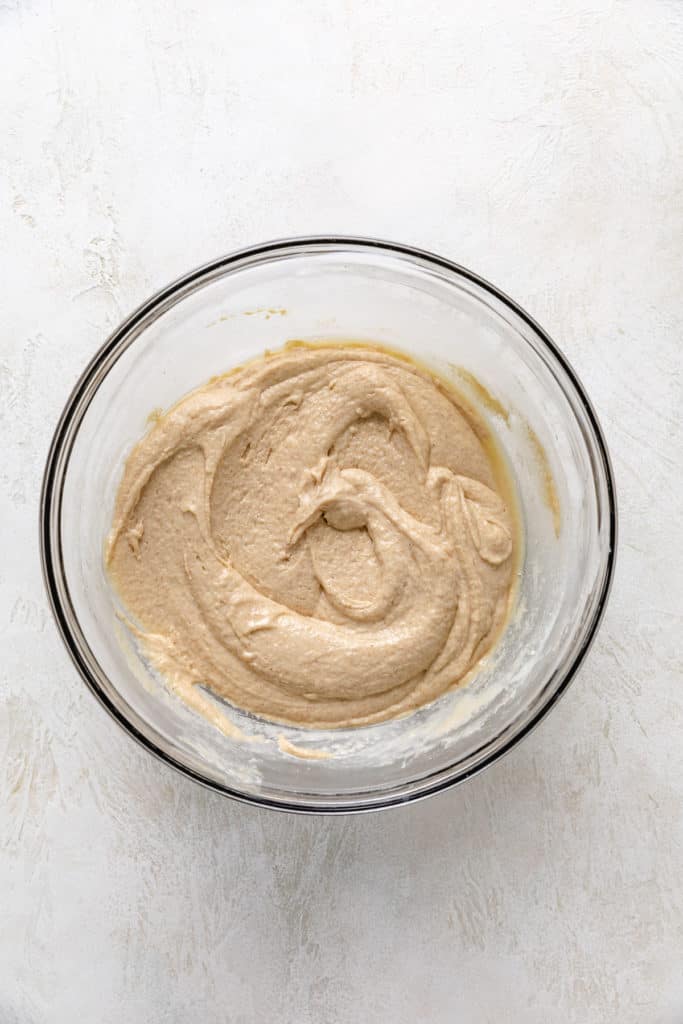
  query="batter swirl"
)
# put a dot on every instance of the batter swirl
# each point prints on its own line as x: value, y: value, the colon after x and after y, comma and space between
x: 318, y: 538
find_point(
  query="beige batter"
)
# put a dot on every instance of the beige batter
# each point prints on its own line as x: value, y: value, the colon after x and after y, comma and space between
x: 318, y: 537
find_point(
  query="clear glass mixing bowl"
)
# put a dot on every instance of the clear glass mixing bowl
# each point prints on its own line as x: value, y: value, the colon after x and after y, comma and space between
x: 231, y: 310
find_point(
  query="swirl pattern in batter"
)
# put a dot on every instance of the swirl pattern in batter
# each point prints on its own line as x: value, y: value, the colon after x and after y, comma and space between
x: 318, y: 538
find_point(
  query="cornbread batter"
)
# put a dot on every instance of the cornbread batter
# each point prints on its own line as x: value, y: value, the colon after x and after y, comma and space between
x: 318, y: 537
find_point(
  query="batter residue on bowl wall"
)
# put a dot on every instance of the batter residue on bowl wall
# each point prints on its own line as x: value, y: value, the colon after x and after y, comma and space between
x: 318, y: 537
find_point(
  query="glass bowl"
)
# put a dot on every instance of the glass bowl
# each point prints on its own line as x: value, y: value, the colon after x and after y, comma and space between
x: 344, y: 289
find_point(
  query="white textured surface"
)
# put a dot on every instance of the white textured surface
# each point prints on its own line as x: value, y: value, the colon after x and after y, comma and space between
x: 540, y: 144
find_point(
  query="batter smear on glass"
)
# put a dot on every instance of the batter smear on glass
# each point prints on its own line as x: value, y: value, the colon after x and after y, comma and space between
x: 319, y: 537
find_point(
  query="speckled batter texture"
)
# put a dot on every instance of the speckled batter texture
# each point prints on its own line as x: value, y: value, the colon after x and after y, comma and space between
x: 542, y: 145
x: 317, y: 537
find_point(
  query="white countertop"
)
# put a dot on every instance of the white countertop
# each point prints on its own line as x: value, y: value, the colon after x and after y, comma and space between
x: 542, y: 146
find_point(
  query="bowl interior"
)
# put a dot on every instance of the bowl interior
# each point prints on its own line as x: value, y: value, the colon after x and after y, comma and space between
x: 231, y: 312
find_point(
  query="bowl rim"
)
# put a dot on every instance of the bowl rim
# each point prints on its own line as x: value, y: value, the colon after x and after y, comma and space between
x: 57, y: 463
